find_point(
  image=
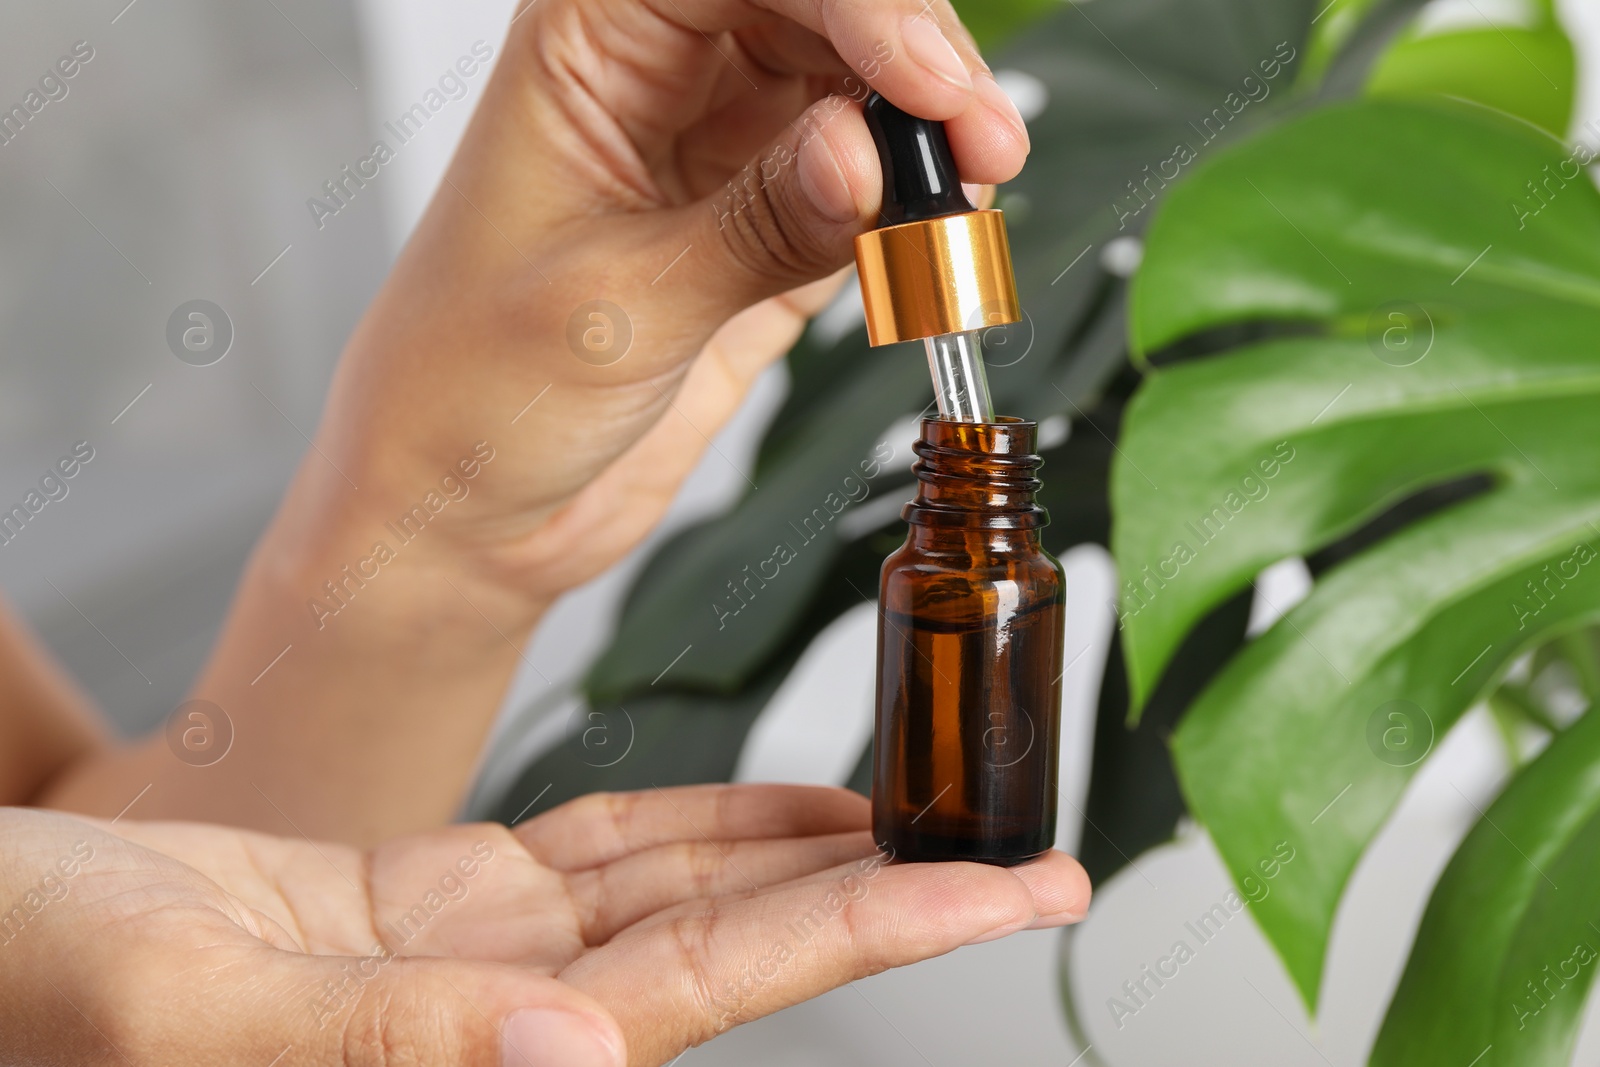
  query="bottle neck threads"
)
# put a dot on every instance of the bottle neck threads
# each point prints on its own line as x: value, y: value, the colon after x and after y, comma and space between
x: 977, y: 475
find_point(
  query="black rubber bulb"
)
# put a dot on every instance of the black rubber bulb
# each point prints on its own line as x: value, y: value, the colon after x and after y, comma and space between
x: 919, y: 173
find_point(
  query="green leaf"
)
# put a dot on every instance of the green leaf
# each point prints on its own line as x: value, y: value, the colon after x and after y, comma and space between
x: 1336, y: 26
x: 1127, y: 83
x: 1354, y: 215
x: 663, y: 739
x: 1348, y: 38
x: 1532, y: 62
x: 1579, y: 652
x: 992, y: 22
x: 1134, y: 802
x: 1311, y: 734
x: 1290, y: 444
x: 1507, y: 949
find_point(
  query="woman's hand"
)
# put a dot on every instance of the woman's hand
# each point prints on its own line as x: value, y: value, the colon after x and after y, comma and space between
x: 490, y: 442
x: 682, y: 162
x: 616, y: 929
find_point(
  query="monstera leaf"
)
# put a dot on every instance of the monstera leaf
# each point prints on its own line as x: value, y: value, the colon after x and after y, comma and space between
x: 1526, y: 882
x: 1520, y: 41
x: 1445, y: 322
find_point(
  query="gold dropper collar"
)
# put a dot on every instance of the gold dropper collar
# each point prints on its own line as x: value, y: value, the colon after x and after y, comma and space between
x: 936, y: 276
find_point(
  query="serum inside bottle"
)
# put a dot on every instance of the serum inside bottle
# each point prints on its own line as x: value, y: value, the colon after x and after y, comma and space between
x: 970, y: 621
x: 969, y: 656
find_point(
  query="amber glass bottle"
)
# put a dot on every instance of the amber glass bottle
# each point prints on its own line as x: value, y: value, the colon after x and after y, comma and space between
x: 969, y: 656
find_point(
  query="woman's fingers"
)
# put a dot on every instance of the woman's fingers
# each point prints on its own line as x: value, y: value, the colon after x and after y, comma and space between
x: 1057, y: 882
x: 932, y: 68
x: 473, y: 1014
x: 769, y: 196
x: 731, y: 131
x: 95, y: 977
x: 603, y: 827
x: 1060, y: 889
x: 649, y: 473
x: 899, y: 47
x: 681, y: 982
x: 372, y: 1009
x: 788, y: 217
x: 915, y: 52
x: 989, y: 139
x: 793, y: 212
x: 784, y: 46
x: 619, y: 894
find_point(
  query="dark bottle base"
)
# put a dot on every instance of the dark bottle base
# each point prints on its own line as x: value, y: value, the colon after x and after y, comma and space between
x: 941, y: 848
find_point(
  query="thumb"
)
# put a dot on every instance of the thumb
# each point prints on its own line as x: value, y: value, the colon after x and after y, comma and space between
x: 791, y: 215
x: 387, y: 1010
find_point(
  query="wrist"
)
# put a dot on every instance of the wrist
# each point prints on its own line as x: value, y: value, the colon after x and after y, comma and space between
x: 360, y: 694
x: 392, y: 570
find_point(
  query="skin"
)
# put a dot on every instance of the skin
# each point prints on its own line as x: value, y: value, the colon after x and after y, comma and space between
x: 630, y: 926
x: 605, y: 161
x: 48, y: 724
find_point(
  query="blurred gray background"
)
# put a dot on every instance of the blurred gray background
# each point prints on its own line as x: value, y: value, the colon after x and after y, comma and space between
x: 176, y: 167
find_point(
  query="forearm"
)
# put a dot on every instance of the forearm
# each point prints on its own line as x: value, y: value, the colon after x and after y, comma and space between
x: 358, y: 684
x: 46, y: 722
x: 383, y: 613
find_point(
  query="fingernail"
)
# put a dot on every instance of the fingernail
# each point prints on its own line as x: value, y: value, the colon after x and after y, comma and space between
x: 1001, y: 931
x: 535, y: 1037
x: 927, y: 45
x: 1062, y: 918
x: 823, y: 181
x: 995, y: 99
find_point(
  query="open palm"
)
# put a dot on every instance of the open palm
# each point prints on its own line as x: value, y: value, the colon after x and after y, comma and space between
x: 648, y: 921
